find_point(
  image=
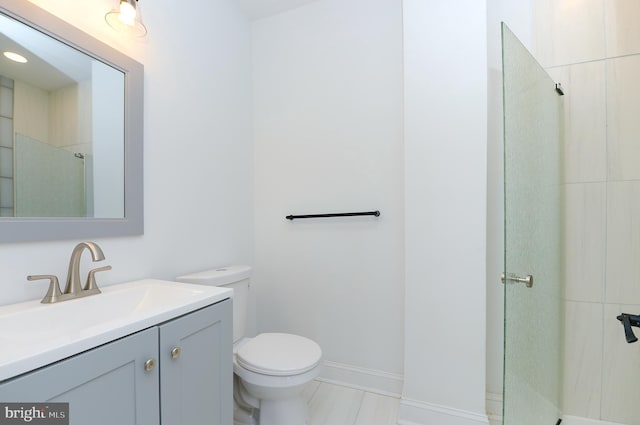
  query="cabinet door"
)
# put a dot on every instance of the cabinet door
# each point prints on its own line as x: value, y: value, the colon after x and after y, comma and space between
x: 104, y: 386
x: 197, y: 382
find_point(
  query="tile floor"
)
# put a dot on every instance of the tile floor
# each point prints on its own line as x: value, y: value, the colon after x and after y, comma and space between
x: 331, y: 404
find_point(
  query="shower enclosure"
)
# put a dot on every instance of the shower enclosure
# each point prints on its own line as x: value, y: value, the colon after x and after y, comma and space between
x: 533, y: 244
x: 572, y: 219
x: 49, y: 181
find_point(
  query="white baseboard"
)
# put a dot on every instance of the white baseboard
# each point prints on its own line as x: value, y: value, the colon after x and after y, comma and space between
x: 494, y: 412
x: 575, y: 420
x: 370, y: 380
x: 566, y: 420
x: 411, y: 412
x: 414, y: 412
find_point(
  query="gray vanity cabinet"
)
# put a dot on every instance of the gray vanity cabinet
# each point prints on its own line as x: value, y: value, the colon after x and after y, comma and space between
x: 104, y: 386
x: 196, y: 368
x: 189, y: 383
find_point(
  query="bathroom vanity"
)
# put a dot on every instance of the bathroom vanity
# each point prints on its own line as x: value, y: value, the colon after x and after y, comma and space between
x: 174, y: 368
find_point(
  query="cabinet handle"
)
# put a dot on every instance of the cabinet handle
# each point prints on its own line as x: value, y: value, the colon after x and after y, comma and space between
x: 175, y: 352
x: 149, y: 365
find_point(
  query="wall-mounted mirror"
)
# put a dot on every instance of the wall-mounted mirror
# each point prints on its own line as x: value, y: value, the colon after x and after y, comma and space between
x: 70, y: 131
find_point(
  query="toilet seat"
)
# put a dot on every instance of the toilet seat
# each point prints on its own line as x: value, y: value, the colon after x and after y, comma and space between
x: 278, y: 354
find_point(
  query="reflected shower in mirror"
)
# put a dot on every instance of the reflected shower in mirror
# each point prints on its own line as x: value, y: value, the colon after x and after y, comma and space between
x: 62, y: 129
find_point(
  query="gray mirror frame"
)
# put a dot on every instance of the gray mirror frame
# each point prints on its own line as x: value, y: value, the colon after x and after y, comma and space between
x: 40, y: 229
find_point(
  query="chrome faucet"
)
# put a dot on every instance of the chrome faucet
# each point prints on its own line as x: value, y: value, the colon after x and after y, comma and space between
x: 74, y: 289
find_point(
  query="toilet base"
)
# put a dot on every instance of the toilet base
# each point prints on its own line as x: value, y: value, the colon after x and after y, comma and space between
x: 243, y: 416
x: 285, y: 406
x: 274, y: 412
x: 243, y: 411
x: 291, y: 411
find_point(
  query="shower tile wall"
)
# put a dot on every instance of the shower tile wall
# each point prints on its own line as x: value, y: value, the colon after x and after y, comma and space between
x: 593, y: 48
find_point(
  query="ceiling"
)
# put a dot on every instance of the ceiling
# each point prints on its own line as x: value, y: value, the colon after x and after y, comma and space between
x: 51, y: 64
x: 257, y: 9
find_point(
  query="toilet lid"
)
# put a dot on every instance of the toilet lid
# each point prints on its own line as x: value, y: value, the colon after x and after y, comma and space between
x: 279, y: 354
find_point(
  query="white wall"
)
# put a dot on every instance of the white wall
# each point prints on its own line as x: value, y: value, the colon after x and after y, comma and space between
x: 198, y: 150
x: 328, y: 138
x: 445, y: 171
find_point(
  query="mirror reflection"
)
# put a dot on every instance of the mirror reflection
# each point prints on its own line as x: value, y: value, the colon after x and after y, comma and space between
x: 61, y: 129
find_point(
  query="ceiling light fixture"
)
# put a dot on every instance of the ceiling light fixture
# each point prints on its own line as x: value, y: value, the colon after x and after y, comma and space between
x: 15, y: 57
x: 125, y: 17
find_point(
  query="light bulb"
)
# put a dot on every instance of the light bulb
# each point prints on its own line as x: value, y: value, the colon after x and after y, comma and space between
x: 127, y: 13
x: 126, y: 18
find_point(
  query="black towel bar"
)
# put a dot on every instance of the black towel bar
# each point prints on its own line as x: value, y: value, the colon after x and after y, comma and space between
x: 350, y: 214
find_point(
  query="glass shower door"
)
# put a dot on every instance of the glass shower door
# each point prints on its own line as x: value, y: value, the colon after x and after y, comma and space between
x: 532, y: 258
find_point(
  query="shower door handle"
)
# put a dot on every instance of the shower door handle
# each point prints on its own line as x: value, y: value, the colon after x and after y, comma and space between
x: 629, y: 320
x: 513, y: 278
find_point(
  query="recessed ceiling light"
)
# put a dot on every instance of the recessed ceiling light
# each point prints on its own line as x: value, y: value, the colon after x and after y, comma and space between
x: 15, y: 57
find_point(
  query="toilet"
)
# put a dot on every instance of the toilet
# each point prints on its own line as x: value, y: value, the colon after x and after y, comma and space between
x: 270, y: 369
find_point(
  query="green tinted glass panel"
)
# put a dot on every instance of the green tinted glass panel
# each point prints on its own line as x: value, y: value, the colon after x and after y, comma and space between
x: 49, y: 181
x: 533, y: 207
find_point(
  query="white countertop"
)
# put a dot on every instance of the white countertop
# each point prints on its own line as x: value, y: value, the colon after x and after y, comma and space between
x: 33, y: 334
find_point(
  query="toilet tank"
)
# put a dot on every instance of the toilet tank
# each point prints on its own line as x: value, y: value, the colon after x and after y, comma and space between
x: 234, y: 277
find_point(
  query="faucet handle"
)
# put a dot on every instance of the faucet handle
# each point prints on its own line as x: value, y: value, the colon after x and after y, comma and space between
x: 53, y: 294
x: 91, y: 284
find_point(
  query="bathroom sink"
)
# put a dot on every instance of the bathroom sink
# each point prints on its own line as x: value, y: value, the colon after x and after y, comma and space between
x: 34, y: 334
